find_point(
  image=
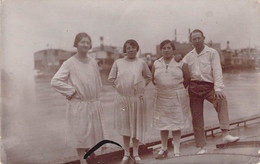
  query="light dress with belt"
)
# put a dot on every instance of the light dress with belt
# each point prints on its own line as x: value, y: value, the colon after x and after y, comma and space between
x: 84, y: 127
x: 130, y: 77
x: 171, y: 109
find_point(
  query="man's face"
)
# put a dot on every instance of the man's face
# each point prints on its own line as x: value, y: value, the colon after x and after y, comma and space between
x: 197, y: 39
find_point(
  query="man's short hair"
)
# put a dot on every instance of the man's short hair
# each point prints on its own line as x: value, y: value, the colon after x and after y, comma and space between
x: 197, y: 30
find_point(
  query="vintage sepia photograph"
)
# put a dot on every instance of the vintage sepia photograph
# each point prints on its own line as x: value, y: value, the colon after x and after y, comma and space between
x: 130, y: 82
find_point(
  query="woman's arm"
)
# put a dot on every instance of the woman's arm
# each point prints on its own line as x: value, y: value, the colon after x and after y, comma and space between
x: 97, y: 72
x: 146, y: 73
x: 113, y: 73
x: 186, y: 75
x: 153, y: 80
x: 60, y: 82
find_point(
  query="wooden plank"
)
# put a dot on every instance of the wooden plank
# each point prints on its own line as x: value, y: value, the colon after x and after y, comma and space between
x: 240, y: 144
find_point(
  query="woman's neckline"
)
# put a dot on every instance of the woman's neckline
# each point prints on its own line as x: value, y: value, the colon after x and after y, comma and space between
x: 82, y: 60
x: 168, y: 60
x: 130, y: 60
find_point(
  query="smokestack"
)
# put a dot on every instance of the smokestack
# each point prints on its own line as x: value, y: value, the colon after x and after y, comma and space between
x: 101, y: 43
x: 175, y: 34
x: 227, y: 45
x: 189, y: 35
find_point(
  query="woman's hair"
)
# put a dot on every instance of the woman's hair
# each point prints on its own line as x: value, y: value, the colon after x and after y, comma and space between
x: 166, y: 42
x: 132, y: 43
x: 78, y: 38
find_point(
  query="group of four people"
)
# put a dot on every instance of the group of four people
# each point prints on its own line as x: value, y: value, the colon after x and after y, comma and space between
x: 79, y: 80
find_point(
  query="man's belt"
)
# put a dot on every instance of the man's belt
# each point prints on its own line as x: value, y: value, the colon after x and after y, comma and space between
x: 201, y: 82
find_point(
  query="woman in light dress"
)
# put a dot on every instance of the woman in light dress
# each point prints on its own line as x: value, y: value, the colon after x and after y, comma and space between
x: 130, y: 76
x: 171, y: 111
x: 78, y: 79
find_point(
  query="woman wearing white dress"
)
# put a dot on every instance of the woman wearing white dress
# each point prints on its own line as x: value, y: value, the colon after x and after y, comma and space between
x: 130, y: 76
x: 171, y: 112
x: 78, y: 79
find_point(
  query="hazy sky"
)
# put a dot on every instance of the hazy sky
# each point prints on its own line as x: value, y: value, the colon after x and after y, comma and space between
x: 32, y: 25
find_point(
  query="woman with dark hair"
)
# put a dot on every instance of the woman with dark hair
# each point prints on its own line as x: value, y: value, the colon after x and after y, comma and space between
x: 171, y: 111
x: 78, y: 79
x: 130, y: 76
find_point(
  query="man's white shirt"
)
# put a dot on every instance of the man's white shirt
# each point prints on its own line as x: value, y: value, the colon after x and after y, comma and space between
x: 205, y: 66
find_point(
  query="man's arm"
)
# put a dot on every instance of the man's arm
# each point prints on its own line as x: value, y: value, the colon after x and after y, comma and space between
x: 217, y: 75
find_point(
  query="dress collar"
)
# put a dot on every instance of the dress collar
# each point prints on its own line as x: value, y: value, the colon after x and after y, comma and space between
x: 206, y: 49
x: 162, y: 60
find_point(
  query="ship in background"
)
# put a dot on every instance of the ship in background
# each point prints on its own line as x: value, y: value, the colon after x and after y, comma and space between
x: 229, y: 58
x: 240, y: 58
x: 48, y: 61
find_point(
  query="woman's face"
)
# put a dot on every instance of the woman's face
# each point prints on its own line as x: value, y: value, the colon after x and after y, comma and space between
x: 84, y: 45
x: 131, y: 51
x: 167, y: 51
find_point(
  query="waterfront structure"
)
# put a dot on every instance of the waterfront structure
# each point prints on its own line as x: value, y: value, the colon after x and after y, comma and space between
x: 48, y: 61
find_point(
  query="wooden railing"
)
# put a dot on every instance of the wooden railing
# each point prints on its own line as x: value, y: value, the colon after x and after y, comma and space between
x: 147, y: 148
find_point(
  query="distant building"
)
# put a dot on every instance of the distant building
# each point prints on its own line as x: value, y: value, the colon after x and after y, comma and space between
x: 105, y: 55
x: 48, y: 61
x: 184, y: 48
x: 149, y: 58
x: 242, y: 58
x: 216, y: 46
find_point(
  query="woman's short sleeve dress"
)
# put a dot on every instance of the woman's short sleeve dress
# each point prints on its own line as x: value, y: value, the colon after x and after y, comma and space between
x: 129, y: 79
x: 171, y: 101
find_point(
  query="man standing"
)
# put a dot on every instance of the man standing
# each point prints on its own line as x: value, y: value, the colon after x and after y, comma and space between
x: 206, y: 83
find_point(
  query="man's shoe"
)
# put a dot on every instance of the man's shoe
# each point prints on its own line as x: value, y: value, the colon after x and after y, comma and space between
x: 202, y: 151
x: 229, y: 139
x: 177, y: 154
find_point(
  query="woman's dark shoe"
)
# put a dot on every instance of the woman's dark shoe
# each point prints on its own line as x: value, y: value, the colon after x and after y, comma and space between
x: 162, y: 154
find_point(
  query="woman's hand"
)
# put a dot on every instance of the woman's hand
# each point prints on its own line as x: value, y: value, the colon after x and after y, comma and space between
x: 70, y: 97
x: 154, y: 83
